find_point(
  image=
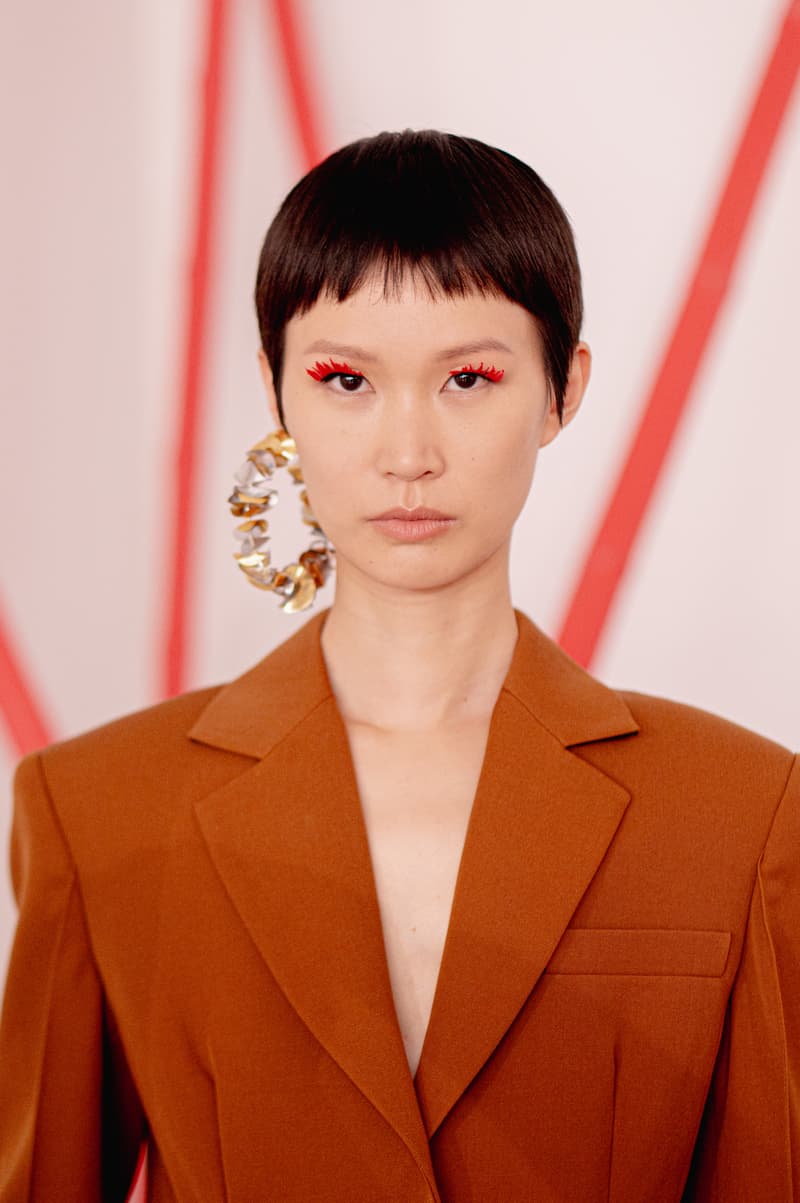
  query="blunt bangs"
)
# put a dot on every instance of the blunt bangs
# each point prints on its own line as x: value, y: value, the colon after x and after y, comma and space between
x: 460, y: 214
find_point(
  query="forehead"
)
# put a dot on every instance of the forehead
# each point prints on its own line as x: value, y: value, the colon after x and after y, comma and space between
x: 374, y: 323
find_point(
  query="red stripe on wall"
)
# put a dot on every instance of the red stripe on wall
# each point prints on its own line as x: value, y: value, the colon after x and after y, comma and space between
x: 304, y: 103
x: 183, y: 470
x: 613, y: 542
x: 22, y: 713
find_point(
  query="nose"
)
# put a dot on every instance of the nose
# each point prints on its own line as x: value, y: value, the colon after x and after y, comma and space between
x: 409, y: 444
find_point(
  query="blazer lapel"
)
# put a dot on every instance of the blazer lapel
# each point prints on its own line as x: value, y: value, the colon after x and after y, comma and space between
x: 541, y: 823
x: 289, y: 842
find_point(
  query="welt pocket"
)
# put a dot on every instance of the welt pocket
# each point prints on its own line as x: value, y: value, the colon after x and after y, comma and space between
x: 658, y: 952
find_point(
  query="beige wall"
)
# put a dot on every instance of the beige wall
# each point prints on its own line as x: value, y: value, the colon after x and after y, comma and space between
x: 629, y: 109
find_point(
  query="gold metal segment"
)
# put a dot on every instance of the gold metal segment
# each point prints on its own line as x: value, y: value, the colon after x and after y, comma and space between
x: 296, y: 583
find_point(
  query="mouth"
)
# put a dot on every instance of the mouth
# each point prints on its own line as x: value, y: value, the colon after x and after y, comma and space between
x: 412, y: 526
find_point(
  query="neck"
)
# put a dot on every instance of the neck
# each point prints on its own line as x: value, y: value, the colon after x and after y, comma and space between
x: 418, y: 660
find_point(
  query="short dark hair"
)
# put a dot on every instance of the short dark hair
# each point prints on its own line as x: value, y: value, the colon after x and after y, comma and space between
x: 466, y: 215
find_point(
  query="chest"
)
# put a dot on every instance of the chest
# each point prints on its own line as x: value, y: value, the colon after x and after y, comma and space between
x: 416, y: 792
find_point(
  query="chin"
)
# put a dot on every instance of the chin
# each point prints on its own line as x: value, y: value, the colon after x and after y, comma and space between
x: 411, y: 573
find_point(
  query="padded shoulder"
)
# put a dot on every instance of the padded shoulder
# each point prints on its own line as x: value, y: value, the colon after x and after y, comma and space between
x: 126, y: 784
x: 698, y: 728
x: 708, y: 773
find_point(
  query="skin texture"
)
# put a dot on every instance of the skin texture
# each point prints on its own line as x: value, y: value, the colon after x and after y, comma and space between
x: 419, y: 635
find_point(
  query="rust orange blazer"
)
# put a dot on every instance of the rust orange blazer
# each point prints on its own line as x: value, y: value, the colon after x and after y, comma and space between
x: 199, y: 958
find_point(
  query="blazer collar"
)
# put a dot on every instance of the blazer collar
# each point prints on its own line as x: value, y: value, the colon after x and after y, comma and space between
x: 288, y: 840
x: 256, y: 710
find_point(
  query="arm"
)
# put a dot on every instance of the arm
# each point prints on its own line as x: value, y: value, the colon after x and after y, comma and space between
x: 70, y: 1120
x: 748, y: 1146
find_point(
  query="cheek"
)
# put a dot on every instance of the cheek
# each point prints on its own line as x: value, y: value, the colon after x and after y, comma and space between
x: 331, y: 482
x: 319, y: 475
x: 503, y: 471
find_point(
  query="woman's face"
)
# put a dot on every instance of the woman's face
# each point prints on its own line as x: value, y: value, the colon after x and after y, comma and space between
x: 408, y: 402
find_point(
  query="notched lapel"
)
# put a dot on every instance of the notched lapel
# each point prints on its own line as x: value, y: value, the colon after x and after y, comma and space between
x: 290, y: 844
x: 289, y: 841
x: 541, y: 823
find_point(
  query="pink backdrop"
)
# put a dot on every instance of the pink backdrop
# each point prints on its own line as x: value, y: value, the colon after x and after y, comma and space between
x: 149, y: 146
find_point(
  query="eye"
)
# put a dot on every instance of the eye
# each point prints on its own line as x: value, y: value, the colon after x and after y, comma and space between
x: 464, y: 381
x: 465, y: 377
x: 349, y: 381
x: 331, y: 370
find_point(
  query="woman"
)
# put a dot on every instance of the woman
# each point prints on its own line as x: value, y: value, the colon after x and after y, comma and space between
x: 415, y: 909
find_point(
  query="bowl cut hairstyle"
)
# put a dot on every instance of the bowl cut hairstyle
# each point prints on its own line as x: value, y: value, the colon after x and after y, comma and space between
x: 465, y: 215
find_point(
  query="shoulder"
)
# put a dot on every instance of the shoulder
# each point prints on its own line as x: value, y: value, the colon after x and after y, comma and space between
x: 703, y: 768
x: 134, y: 781
x: 131, y: 743
x: 692, y: 734
x: 131, y: 779
x: 637, y: 732
x: 651, y: 745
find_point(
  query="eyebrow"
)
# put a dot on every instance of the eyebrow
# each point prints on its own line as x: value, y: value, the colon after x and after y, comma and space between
x: 473, y: 348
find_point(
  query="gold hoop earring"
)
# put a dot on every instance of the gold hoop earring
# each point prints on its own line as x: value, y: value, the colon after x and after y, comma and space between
x: 252, y: 496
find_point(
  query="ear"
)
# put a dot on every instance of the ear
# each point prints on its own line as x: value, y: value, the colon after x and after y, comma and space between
x: 577, y: 380
x: 269, y: 386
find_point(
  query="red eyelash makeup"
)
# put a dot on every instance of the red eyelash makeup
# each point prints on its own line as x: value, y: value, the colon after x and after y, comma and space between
x: 321, y: 370
x: 491, y: 373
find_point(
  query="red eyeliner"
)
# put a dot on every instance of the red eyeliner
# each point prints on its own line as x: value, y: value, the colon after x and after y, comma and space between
x: 491, y: 373
x: 321, y: 370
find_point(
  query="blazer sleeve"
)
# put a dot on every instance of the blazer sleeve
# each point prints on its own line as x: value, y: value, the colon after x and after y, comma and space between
x: 748, y: 1145
x: 70, y: 1118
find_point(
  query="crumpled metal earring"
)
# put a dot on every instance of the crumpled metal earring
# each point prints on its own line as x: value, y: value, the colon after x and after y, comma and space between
x: 252, y: 496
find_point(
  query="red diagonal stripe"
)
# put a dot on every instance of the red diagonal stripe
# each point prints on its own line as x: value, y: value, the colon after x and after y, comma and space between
x: 304, y: 103
x: 137, y: 1191
x: 24, y: 717
x: 183, y: 484
x: 610, y: 551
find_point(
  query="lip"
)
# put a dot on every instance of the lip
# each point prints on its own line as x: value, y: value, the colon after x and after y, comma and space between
x: 419, y: 513
x: 412, y: 526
